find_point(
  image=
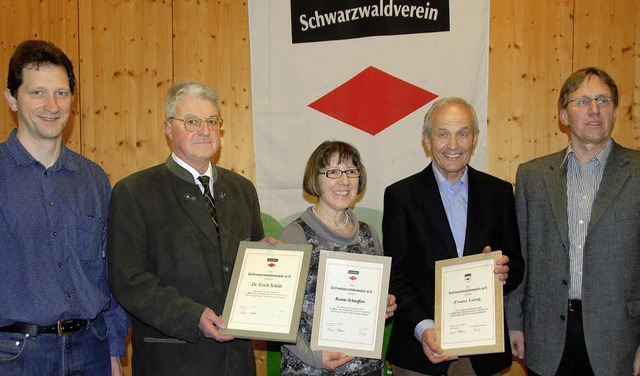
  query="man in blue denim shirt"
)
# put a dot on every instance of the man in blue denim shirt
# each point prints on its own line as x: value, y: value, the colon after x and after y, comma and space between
x: 57, y: 315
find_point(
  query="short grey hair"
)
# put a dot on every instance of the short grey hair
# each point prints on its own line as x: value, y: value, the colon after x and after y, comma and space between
x: 188, y: 89
x: 446, y: 102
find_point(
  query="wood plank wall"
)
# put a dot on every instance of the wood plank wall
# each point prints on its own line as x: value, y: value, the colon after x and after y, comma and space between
x: 126, y: 53
x: 535, y: 45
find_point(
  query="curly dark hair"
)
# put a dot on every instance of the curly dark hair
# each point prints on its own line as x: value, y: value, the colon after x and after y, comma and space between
x: 34, y: 54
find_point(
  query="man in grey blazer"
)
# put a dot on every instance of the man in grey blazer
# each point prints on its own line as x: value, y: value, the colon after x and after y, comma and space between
x: 577, y: 312
x: 171, y: 257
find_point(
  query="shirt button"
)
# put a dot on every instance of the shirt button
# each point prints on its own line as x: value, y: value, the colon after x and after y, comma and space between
x: 55, y: 233
x: 50, y: 203
x: 59, y: 265
x: 226, y: 269
x: 564, y: 282
x: 562, y: 317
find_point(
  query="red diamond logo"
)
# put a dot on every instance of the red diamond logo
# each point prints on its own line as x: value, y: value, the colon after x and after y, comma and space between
x: 353, y: 278
x: 372, y: 100
x: 271, y: 265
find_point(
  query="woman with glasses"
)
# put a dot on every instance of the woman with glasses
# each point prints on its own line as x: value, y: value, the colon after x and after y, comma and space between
x: 334, y: 175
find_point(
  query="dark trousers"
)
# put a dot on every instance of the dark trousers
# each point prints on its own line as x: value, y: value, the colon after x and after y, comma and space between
x: 575, y: 360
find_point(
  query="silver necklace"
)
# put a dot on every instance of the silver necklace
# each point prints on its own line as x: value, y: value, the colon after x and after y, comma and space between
x: 313, y: 209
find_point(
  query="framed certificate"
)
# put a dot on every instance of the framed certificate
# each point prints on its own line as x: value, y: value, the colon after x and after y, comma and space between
x: 351, y: 303
x: 468, y: 310
x: 264, y: 300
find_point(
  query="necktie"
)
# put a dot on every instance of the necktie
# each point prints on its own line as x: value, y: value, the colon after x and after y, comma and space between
x: 208, y: 199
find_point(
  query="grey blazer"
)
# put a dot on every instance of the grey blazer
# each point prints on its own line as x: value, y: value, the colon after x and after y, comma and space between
x: 166, y: 264
x: 611, y: 265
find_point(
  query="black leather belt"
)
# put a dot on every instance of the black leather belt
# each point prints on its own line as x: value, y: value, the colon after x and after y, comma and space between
x: 575, y: 305
x: 62, y: 327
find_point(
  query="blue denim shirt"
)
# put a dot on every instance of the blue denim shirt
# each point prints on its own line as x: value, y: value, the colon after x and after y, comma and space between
x: 53, y: 262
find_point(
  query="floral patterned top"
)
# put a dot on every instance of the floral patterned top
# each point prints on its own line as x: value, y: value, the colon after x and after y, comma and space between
x: 298, y: 359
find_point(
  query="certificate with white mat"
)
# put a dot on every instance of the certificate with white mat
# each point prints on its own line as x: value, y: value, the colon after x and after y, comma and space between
x: 267, y: 288
x: 468, y: 306
x: 351, y: 303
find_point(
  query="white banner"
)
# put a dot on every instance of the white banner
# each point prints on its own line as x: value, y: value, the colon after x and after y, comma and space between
x: 360, y: 71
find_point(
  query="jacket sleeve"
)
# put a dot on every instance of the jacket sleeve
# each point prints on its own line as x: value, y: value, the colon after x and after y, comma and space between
x: 115, y: 317
x: 511, y: 242
x: 412, y: 307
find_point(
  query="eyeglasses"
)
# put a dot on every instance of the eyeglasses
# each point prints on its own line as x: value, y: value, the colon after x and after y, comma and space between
x: 601, y: 101
x: 193, y: 123
x: 335, y: 173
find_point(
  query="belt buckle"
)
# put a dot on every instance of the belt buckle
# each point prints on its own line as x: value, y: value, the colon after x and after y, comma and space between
x: 61, y: 331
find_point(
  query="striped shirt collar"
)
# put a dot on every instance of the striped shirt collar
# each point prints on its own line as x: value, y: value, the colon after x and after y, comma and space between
x: 602, y: 156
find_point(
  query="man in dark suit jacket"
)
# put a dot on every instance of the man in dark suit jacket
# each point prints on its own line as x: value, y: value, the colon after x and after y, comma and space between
x: 578, y: 308
x: 170, y: 258
x: 447, y: 210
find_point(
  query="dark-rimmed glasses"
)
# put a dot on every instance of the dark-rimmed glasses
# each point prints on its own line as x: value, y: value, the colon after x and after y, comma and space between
x: 336, y: 173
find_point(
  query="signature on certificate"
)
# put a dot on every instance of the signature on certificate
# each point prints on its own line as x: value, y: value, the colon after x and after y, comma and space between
x: 334, y: 328
x: 248, y: 310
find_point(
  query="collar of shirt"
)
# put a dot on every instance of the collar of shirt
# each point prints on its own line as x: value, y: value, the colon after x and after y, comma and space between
x: 452, y: 187
x: 24, y: 158
x: 210, y: 172
x: 454, y: 198
x: 600, y: 157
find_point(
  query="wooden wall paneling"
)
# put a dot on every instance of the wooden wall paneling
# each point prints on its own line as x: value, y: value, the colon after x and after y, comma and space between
x: 211, y: 43
x: 55, y: 21
x: 126, y: 67
x: 635, y: 108
x: 530, y: 56
x: 605, y: 36
x: 240, y: 129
